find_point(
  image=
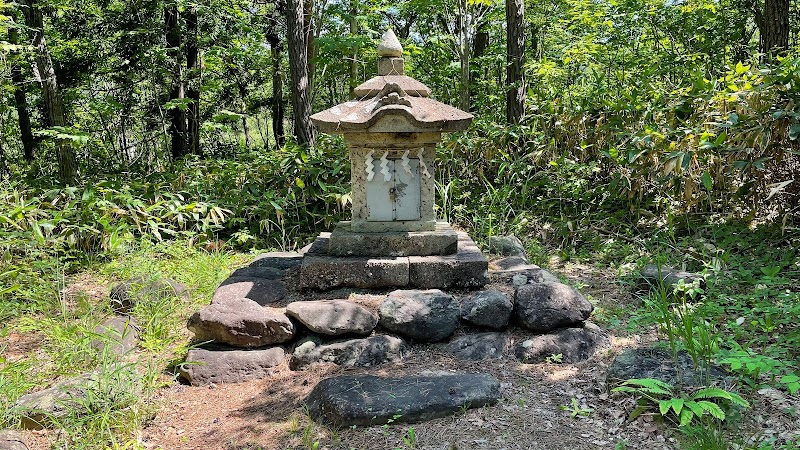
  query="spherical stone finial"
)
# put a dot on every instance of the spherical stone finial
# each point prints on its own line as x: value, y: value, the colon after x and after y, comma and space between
x: 389, y: 46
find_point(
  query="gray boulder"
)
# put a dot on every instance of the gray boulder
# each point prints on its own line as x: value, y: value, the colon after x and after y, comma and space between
x: 424, y: 316
x: 241, y: 323
x: 278, y: 260
x: 651, y: 278
x: 506, y: 246
x: 366, y: 352
x: 476, y: 347
x: 125, y: 295
x: 260, y: 290
x: 573, y: 344
x: 117, y: 335
x: 12, y: 440
x: 218, y: 364
x: 659, y: 363
x: 547, y: 306
x: 517, y: 268
x: 366, y: 400
x: 333, y: 317
x: 490, y: 309
x: 510, y: 263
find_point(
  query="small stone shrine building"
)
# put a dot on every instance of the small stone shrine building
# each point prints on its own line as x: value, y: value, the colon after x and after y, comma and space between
x: 393, y: 240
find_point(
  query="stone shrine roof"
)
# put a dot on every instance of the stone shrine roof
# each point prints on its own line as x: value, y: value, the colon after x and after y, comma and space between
x: 404, y: 101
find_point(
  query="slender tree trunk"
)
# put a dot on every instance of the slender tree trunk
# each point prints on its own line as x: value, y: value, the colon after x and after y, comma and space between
x: 773, y: 25
x: 177, y: 127
x: 298, y: 68
x: 515, y: 60
x: 248, y: 141
x: 193, y: 77
x: 264, y: 137
x: 276, y: 50
x: 308, y: 27
x: 354, y: 61
x: 21, y: 100
x: 67, y: 162
x: 466, y: 53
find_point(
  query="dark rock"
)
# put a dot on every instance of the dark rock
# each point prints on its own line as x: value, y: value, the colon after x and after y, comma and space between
x: 11, y: 440
x: 659, y: 364
x: 467, y: 268
x: 573, y: 344
x: 424, y: 316
x: 319, y: 247
x: 278, y: 260
x: 333, y: 317
x: 72, y: 396
x: 366, y: 400
x: 366, y: 352
x: 125, y: 295
x: 269, y: 273
x: 241, y: 323
x: 670, y: 277
x: 218, y: 364
x: 506, y: 246
x: 490, y: 309
x: 547, y: 306
x: 506, y: 269
x: 117, y: 335
x: 259, y: 290
x: 476, y: 347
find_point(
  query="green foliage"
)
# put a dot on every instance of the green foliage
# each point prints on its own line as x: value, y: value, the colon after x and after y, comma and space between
x: 680, y: 407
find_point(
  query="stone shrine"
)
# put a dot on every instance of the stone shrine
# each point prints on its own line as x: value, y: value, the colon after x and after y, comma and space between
x: 391, y: 128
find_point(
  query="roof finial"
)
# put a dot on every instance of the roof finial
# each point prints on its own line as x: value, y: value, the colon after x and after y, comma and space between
x: 389, y: 46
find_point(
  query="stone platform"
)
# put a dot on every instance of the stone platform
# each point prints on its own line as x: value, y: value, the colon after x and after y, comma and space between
x: 443, y: 240
x: 466, y: 268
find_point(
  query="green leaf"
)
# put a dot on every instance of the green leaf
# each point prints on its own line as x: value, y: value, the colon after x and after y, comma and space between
x: 675, y: 403
x: 712, y: 408
x: 707, y: 181
x: 794, y: 131
x: 686, y: 417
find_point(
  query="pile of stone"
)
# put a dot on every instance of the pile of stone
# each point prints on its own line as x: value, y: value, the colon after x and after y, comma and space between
x: 249, y: 331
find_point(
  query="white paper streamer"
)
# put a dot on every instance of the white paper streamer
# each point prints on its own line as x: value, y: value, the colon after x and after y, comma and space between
x: 370, y: 166
x: 422, y: 164
x: 387, y: 176
x: 404, y: 162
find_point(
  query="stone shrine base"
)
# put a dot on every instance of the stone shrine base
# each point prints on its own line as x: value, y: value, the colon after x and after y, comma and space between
x: 443, y: 240
x: 466, y: 268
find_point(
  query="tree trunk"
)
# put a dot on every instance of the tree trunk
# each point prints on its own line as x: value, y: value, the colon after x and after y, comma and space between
x: 773, y: 25
x: 276, y: 50
x: 67, y: 162
x: 308, y: 27
x: 298, y: 69
x: 20, y: 99
x: 193, y: 78
x: 515, y: 60
x: 177, y: 127
x: 354, y: 61
x: 464, y: 97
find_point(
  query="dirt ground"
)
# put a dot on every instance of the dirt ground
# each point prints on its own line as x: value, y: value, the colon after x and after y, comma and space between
x: 536, y: 411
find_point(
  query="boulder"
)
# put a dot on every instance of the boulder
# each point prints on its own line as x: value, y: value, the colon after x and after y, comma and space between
x: 117, y: 335
x: 278, y: 260
x: 333, y: 317
x: 510, y: 263
x: 659, y: 363
x: 476, y: 347
x: 424, y: 316
x: 573, y: 344
x: 366, y: 400
x: 241, y: 323
x: 269, y: 273
x: 125, y: 295
x: 651, y: 278
x: 12, y: 440
x: 491, y: 309
x: 547, y: 306
x: 218, y: 364
x: 260, y: 290
x: 506, y: 246
x: 366, y: 352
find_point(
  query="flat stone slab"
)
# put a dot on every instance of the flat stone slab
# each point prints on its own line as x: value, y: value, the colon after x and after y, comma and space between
x: 468, y: 268
x: 218, y: 364
x: 333, y: 317
x: 367, y: 352
x: 328, y: 272
x: 117, y: 335
x: 259, y: 290
x: 124, y: 296
x: 369, y: 400
x: 319, y: 247
x: 278, y: 260
x: 477, y: 347
x: 651, y: 278
x: 241, y: 323
x: 424, y: 316
x: 573, y: 344
x: 346, y: 242
x: 658, y: 363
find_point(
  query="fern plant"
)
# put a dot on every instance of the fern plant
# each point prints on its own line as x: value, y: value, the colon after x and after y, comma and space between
x: 680, y: 407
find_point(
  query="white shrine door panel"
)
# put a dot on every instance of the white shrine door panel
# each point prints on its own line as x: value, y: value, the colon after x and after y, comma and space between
x: 398, y: 198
